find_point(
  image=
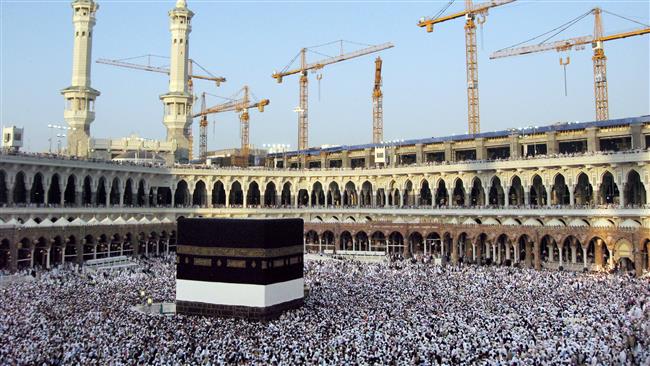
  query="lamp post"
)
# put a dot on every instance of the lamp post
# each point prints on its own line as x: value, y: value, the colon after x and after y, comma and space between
x: 59, y: 136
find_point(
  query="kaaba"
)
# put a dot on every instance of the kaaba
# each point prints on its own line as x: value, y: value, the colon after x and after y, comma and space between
x: 242, y: 268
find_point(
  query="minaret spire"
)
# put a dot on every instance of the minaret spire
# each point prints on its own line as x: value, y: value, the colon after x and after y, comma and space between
x: 178, y: 101
x: 79, y: 96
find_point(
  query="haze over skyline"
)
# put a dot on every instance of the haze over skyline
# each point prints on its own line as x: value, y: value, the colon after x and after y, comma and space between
x: 423, y: 76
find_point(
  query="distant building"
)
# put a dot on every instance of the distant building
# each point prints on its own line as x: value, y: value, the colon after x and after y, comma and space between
x: 233, y: 157
x: 113, y: 149
x: 12, y: 138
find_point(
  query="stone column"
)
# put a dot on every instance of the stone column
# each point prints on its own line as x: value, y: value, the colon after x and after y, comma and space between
x: 78, y: 198
x: 584, y: 256
x: 574, y: 252
x: 450, y: 199
x: 526, y: 196
x: 486, y: 201
x: 454, y: 251
x: 529, y: 254
x: 538, y: 262
x: 598, y: 254
x: 506, y: 200
x: 548, y: 196
x: 572, y: 200
x: 507, y: 245
x: 13, y: 260
x: 621, y: 195
x: 244, y: 198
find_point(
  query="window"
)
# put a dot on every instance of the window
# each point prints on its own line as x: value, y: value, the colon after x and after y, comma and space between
x: 438, y: 156
x: 358, y: 163
x: 616, y: 144
x: 494, y: 153
x: 533, y: 149
x: 407, y: 159
x: 462, y: 155
x: 335, y: 163
x: 314, y: 165
x: 570, y: 147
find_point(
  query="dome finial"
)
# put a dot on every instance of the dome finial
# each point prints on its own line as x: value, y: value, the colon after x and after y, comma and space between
x: 181, y: 4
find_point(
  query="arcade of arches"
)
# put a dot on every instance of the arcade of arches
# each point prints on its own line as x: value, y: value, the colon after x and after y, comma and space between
x: 534, y: 247
x: 564, y: 189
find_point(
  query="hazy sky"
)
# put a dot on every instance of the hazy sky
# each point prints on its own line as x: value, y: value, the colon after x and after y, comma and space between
x: 424, y: 75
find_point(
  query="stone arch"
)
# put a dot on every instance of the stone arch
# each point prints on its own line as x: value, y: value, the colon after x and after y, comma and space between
x: 609, y: 193
x: 361, y: 241
x: 634, y: 191
x: 560, y: 191
x: 365, y: 196
x: 182, y: 194
x: 37, y: 192
x: 285, y: 197
x: 345, y: 240
x: 516, y: 195
x: 333, y: 194
x: 200, y: 194
x: 477, y: 194
x: 164, y: 196
x: 19, y: 192
x: 378, y: 241
x: 317, y: 194
x: 548, y: 249
x: 101, y: 194
x: 312, y: 242
x: 5, y: 250
x: 350, y: 196
x: 4, y: 197
x: 303, y: 197
x: 496, y: 194
x: 328, y: 241
x: 128, y: 193
x: 87, y: 191
x: 433, y: 245
x: 141, y: 199
x: 395, y: 244
x: 270, y: 194
x: 442, y: 197
x: 253, y: 195
x: 426, y: 198
x: 70, y: 194
x: 584, y: 191
x: 416, y: 243
x: 407, y: 194
x: 218, y: 194
x: 380, y: 198
x: 115, y: 192
x: 54, y: 190
x: 236, y: 195
x: 458, y: 196
x: 538, y: 196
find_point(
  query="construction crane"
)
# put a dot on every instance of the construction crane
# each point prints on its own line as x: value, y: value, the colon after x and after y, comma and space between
x: 596, y: 41
x: 473, y: 14
x: 377, y: 106
x: 302, y: 70
x: 240, y: 105
x: 163, y: 70
x: 159, y: 69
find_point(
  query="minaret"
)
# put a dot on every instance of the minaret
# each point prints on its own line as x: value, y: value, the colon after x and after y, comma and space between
x: 80, y: 97
x: 178, y: 101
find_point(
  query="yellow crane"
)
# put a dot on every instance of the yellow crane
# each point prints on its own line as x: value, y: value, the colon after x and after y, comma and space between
x: 302, y: 70
x: 599, y: 59
x: 473, y: 14
x: 377, y: 106
x: 240, y: 105
x: 164, y: 70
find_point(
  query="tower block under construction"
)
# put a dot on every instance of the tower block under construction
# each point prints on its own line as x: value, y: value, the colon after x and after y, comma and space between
x: 79, y: 96
x: 178, y: 100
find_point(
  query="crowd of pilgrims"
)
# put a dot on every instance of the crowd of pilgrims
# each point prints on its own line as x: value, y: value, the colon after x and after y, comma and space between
x: 356, y: 313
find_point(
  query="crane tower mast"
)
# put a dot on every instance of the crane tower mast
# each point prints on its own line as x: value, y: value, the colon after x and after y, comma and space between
x: 473, y: 14
x: 377, y: 106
